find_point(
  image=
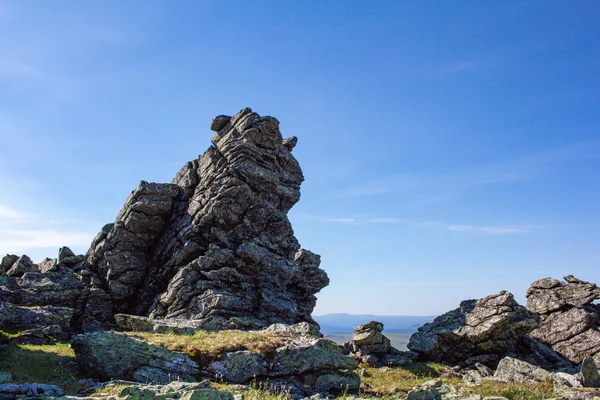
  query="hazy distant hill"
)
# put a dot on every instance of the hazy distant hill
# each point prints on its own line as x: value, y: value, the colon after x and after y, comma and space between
x: 345, y: 323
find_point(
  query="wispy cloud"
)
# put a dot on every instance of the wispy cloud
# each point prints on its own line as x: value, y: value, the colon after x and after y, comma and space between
x: 340, y: 220
x: 487, y: 230
x: 462, y: 228
x: 9, y: 213
x: 385, y: 220
x: 445, y: 186
x: 29, y: 233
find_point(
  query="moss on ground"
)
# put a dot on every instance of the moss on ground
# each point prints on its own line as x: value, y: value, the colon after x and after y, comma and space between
x: 204, y: 347
x: 52, y: 364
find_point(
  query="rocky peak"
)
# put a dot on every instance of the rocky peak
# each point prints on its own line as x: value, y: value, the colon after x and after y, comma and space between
x: 215, y: 245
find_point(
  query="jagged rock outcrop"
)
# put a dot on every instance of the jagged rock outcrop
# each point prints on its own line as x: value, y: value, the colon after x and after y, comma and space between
x: 112, y: 355
x: 215, y: 245
x: 371, y: 346
x: 489, y: 327
x: 570, y: 321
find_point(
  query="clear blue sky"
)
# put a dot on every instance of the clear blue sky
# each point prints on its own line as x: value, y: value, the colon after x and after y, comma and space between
x: 450, y: 149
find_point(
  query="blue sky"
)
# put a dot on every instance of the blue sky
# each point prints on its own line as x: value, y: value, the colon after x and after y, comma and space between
x: 450, y: 149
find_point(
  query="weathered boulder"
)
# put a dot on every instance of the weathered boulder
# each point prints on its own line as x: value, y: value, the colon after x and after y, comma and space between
x: 492, y: 325
x: 434, y: 389
x: 215, y: 245
x: 111, y: 355
x: 306, y: 353
x: 48, y: 265
x: 368, y: 339
x: 239, y: 366
x: 29, y: 390
x: 370, y: 346
x: 514, y: 370
x: 22, y: 266
x: 14, y: 316
x: 570, y: 321
x: 7, y: 262
x: 565, y: 379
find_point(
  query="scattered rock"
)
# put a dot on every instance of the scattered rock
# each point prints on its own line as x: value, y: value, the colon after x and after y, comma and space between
x: 7, y: 262
x: 29, y: 390
x: 13, y: 316
x: 301, y: 328
x: 589, y: 373
x: 564, y: 379
x: 22, y: 266
x: 492, y: 325
x: 513, y: 370
x: 48, y: 265
x: 306, y: 353
x: 239, y: 366
x: 432, y: 390
x: 111, y: 355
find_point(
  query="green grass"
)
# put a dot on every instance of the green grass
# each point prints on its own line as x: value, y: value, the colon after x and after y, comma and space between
x: 52, y: 364
x: 204, y: 347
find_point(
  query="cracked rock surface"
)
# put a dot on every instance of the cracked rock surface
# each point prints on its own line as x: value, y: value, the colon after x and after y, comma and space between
x: 214, y: 245
x: 570, y: 320
x: 491, y: 326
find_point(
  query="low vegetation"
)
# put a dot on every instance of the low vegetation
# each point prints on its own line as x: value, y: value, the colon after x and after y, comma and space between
x: 52, y: 364
x: 210, y: 345
x: 55, y: 364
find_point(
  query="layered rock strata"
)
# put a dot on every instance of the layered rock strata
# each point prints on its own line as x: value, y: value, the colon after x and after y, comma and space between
x: 484, y: 329
x: 570, y: 321
x: 215, y: 245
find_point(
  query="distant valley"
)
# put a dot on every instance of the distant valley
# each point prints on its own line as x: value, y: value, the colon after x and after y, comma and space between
x: 338, y: 324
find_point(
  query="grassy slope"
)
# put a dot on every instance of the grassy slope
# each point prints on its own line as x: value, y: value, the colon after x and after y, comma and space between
x: 55, y: 364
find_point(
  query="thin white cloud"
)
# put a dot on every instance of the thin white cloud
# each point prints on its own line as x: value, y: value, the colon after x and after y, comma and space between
x: 454, y: 227
x: 23, y: 232
x: 9, y: 213
x: 17, y: 241
x: 340, y: 220
x: 487, y: 230
x: 385, y: 220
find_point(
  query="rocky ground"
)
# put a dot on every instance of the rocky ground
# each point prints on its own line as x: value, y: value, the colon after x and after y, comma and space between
x: 199, y: 290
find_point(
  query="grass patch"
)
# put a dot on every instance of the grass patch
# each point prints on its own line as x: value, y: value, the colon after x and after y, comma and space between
x: 392, y: 381
x: 108, y: 390
x: 204, y: 346
x: 52, y: 364
x: 252, y: 392
x: 516, y: 391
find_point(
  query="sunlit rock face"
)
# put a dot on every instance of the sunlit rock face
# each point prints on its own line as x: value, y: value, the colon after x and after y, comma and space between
x: 570, y: 319
x: 214, y: 245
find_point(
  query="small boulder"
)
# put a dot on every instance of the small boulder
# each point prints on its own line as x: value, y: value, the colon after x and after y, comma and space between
x: 589, y: 373
x: 112, y: 355
x: 513, y: 370
x: 22, y: 266
x: 48, y: 265
x: 7, y: 262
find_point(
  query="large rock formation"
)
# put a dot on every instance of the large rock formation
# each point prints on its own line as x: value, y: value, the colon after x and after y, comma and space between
x: 484, y: 329
x: 215, y: 245
x: 570, y: 321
